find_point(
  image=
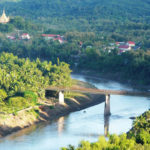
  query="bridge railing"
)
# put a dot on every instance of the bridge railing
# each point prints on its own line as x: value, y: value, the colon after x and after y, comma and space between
x: 100, y: 91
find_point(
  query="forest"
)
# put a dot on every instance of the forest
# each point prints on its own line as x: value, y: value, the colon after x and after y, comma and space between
x: 81, y: 15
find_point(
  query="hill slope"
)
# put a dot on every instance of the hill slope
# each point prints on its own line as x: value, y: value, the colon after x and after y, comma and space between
x: 74, y: 12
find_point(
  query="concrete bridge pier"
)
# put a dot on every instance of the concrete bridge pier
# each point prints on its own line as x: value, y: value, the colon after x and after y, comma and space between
x: 107, y: 105
x: 106, y: 125
x: 61, y: 97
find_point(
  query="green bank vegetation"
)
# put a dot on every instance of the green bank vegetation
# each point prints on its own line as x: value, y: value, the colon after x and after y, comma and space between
x: 130, y: 65
x: 137, y: 138
x: 23, y: 81
x: 18, y: 24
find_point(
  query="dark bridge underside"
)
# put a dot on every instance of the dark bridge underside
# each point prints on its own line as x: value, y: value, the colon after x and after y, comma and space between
x: 100, y: 91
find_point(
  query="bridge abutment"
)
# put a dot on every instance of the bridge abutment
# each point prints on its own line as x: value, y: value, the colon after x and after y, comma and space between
x: 107, y: 105
x: 61, y: 97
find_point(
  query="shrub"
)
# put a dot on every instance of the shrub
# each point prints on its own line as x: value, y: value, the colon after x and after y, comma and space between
x: 31, y: 97
x: 51, y: 107
x: 18, y: 102
x: 3, y: 95
x: 143, y: 137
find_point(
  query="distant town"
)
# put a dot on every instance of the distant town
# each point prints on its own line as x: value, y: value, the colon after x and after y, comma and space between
x: 19, y: 35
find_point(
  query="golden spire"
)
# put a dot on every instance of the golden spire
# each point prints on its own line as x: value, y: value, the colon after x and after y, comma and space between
x: 4, y: 18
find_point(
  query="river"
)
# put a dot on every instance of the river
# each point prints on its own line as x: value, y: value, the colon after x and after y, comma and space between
x: 86, y: 124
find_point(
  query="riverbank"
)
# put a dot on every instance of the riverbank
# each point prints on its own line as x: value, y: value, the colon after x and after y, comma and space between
x: 113, y: 77
x: 49, y: 111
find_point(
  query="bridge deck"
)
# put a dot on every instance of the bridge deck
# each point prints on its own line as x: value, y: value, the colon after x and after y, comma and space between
x: 100, y: 91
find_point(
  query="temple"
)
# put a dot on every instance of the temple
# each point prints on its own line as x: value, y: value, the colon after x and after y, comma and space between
x: 4, y: 18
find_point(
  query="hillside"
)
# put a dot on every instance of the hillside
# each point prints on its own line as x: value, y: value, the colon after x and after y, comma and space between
x: 81, y: 13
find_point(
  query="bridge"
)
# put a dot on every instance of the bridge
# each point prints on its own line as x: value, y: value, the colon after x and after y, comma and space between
x: 107, y: 94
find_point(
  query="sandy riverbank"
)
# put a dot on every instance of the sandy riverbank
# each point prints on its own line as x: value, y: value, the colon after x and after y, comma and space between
x: 28, y: 117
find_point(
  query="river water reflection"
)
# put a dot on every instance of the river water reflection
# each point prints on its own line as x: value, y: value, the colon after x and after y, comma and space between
x: 86, y: 124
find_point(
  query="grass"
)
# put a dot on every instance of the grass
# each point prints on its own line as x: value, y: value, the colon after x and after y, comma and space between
x: 72, y: 94
x: 82, y: 84
x: 29, y: 99
x: 77, y: 83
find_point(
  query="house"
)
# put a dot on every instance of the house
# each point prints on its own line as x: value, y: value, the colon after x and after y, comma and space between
x: 124, y: 48
x: 25, y: 36
x: 54, y: 37
x: 120, y: 43
x: 130, y: 43
x: 11, y: 37
x: 50, y: 36
x: 59, y: 39
x: 81, y: 44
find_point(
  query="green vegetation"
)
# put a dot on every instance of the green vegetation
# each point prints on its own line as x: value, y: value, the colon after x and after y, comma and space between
x: 130, y: 65
x: 18, y: 23
x: 138, y: 138
x: 3, y: 1
x: 141, y: 129
x: 82, y: 14
x: 23, y: 81
x: 94, y: 23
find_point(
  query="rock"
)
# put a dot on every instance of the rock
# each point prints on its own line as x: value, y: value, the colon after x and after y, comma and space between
x: 132, y: 118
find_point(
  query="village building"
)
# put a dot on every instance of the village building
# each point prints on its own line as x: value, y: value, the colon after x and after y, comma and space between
x: 60, y: 39
x: 117, y: 43
x: 11, y: 37
x: 50, y: 36
x: 4, y: 18
x: 124, y: 48
x: 130, y: 43
x: 80, y: 44
x: 54, y: 37
x: 25, y: 36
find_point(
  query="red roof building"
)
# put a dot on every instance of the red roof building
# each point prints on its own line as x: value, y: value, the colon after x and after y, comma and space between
x: 117, y: 43
x: 130, y: 43
x: 59, y: 39
x: 124, y: 48
x: 49, y: 35
x: 11, y: 37
x: 25, y: 36
x: 54, y: 37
